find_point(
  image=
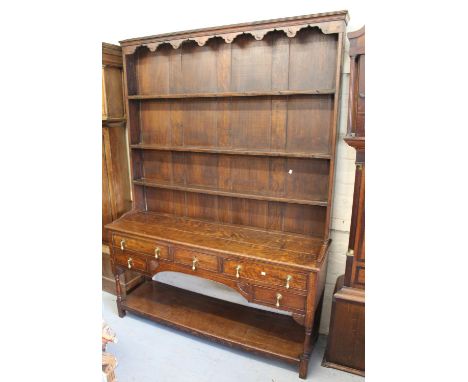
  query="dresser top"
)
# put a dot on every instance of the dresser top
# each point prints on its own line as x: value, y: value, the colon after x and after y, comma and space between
x: 285, y: 249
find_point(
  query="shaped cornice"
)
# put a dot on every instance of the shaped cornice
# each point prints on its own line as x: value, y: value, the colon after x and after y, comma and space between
x: 333, y: 22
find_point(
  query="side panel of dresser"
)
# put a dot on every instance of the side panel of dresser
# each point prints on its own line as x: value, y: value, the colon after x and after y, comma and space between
x: 116, y: 198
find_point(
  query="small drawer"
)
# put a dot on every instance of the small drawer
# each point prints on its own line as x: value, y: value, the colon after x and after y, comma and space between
x: 279, y: 299
x: 196, y: 260
x: 265, y: 273
x: 130, y: 261
x: 148, y: 247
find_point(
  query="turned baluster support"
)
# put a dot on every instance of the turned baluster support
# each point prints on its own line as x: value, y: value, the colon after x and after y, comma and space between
x: 118, y: 292
x: 305, y: 357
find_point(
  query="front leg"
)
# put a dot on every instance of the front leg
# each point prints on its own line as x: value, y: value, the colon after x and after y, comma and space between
x: 118, y: 290
x: 305, y: 357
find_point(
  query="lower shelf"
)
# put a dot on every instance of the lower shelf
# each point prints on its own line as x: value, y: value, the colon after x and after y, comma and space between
x: 251, y: 329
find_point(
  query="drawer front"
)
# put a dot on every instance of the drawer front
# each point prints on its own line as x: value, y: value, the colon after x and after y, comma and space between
x: 286, y: 300
x: 265, y: 273
x: 144, y: 246
x: 202, y: 260
x: 130, y: 261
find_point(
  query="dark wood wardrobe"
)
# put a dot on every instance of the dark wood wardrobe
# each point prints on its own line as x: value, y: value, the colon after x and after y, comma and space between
x: 115, y: 164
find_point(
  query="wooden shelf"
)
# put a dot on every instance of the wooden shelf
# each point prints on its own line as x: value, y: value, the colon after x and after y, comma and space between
x: 210, y: 191
x: 111, y: 120
x: 239, y: 326
x: 197, y: 149
x: 233, y: 94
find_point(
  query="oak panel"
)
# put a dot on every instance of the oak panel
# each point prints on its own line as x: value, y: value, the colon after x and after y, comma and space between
x: 155, y: 122
x: 251, y: 63
x: 199, y: 67
x: 153, y: 70
x: 312, y: 60
x: 309, y: 121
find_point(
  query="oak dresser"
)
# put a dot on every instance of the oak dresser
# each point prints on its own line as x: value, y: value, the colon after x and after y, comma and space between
x: 232, y: 134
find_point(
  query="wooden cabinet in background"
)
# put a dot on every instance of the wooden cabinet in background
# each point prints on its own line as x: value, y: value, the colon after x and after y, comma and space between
x: 233, y: 136
x: 345, y: 348
x: 115, y: 170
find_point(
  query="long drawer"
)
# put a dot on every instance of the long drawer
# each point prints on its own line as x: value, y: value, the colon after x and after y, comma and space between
x: 196, y: 260
x: 149, y: 247
x: 265, y: 273
x: 131, y: 261
x: 279, y: 298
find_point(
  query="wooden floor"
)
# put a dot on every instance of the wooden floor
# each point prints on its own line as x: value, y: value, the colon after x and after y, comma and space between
x: 222, y: 321
x: 286, y: 249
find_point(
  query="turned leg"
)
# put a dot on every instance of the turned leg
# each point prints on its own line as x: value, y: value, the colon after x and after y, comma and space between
x: 118, y: 291
x: 304, y: 362
x: 311, y: 334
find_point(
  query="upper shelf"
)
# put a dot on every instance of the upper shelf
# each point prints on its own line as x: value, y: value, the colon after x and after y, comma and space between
x: 210, y: 191
x: 230, y: 151
x: 233, y: 94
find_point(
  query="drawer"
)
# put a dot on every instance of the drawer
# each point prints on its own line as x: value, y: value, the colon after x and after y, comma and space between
x: 144, y: 246
x: 130, y: 261
x: 202, y: 260
x: 285, y: 301
x: 265, y: 273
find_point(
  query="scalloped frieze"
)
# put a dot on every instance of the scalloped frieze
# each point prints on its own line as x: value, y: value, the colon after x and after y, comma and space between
x: 130, y: 49
x: 331, y: 27
x: 290, y: 31
x: 153, y: 46
x: 260, y: 33
x: 229, y: 37
x: 177, y: 43
x: 200, y: 40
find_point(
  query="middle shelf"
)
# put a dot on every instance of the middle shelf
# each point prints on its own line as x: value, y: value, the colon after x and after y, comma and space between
x: 210, y: 191
x: 265, y: 93
x: 230, y: 151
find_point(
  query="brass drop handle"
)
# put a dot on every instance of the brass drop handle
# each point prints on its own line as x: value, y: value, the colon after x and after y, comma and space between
x: 288, y: 279
x: 194, y: 263
x: 278, y: 298
x: 129, y: 262
x: 157, y: 252
x: 238, y: 268
x: 122, y: 244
